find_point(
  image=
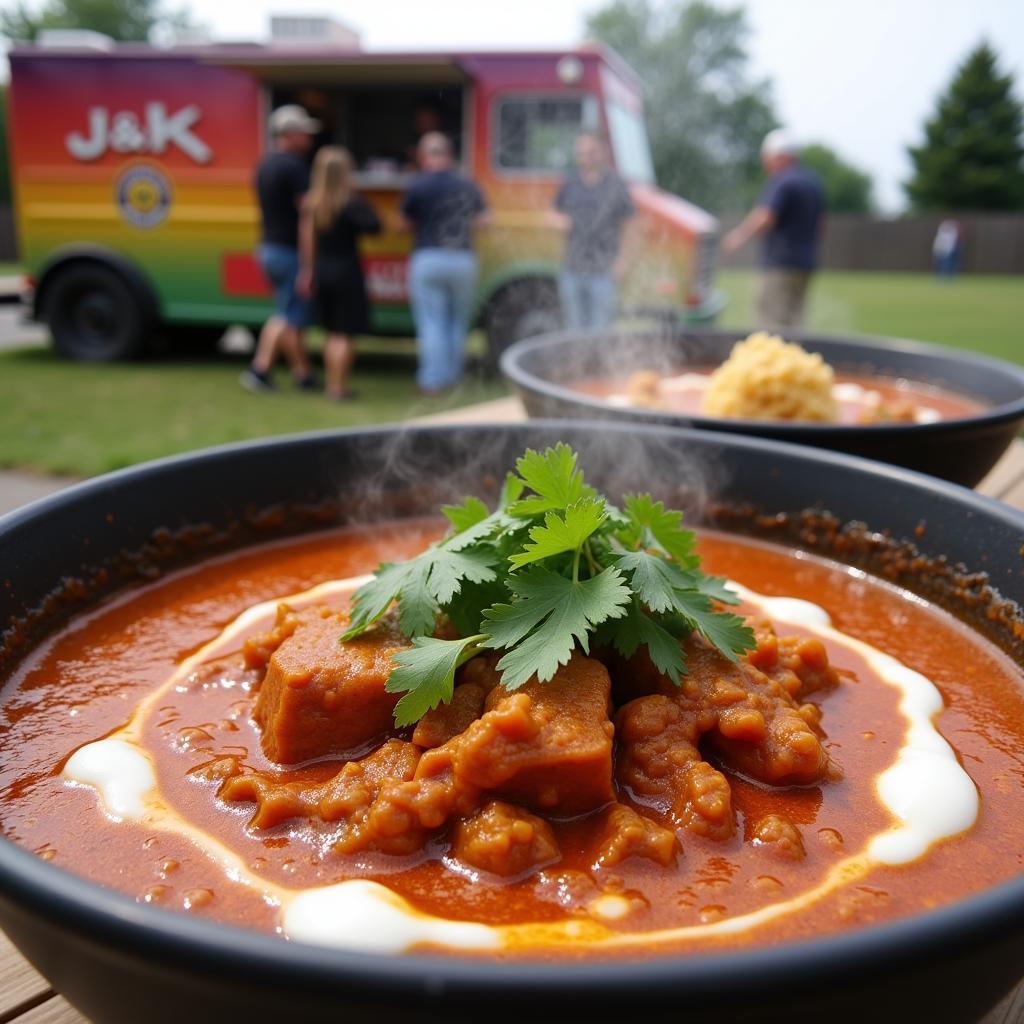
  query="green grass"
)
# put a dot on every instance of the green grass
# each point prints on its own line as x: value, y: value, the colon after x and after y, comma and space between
x: 66, y: 418
x: 982, y: 314
x: 83, y: 419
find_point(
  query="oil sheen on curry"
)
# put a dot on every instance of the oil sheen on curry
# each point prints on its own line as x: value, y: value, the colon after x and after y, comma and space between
x: 207, y: 744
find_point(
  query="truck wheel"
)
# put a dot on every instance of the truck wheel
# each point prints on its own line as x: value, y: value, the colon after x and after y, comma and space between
x: 520, y: 310
x: 94, y: 315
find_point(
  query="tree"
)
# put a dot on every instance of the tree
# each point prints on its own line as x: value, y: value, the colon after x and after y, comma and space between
x: 847, y: 188
x: 705, y: 118
x: 127, y: 20
x: 972, y: 157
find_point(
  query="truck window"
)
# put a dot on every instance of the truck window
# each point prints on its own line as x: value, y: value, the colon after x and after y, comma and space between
x: 537, y: 133
x: 630, y: 147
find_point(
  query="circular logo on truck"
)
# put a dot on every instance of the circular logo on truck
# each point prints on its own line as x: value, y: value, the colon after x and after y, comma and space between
x: 143, y: 196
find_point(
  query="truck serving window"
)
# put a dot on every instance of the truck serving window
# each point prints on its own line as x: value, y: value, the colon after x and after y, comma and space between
x: 537, y: 133
x: 629, y: 143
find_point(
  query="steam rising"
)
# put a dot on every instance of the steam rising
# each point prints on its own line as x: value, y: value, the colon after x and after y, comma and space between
x: 413, y: 471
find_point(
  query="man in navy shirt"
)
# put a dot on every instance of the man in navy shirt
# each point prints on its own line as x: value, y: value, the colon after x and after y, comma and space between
x: 442, y: 208
x: 788, y: 215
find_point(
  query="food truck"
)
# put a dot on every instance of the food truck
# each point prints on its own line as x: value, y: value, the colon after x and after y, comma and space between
x: 133, y: 171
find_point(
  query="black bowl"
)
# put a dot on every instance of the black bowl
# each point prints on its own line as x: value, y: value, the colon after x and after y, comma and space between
x: 544, y: 369
x: 120, y: 961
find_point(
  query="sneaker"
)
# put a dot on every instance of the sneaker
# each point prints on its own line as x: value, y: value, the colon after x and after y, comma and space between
x: 308, y: 383
x: 256, y: 382
x: 345, y: 396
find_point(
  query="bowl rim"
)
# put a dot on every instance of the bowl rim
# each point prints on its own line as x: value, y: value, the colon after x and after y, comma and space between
x: 107, y: 918
x: 511, y: 367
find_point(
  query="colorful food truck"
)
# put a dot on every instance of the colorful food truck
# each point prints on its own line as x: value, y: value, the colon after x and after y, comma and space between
x: 133, y: 174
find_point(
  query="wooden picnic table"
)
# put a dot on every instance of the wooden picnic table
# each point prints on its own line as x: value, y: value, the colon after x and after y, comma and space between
x: 27, y: 998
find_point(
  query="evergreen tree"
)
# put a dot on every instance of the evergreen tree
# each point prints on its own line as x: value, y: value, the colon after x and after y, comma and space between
x: 973, y: 155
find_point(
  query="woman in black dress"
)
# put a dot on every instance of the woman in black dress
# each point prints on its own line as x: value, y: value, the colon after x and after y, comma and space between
x: 332, y: 219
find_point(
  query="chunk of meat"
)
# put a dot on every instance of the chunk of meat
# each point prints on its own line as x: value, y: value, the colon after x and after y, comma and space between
x: 258, y: 649
x: 779, y: 836
x: 548, y: 746
x: 446, y: 721
x: 797, y: 663
x: 504, y: 840
x: 659, y: 761
x: 761, y: 730
x: 752, y: 711
x: 624, y: 833
x: 320, y: 697
x: 351, y: 798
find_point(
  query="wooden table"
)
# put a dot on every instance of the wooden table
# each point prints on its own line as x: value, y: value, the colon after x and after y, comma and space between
x: 26, y: 997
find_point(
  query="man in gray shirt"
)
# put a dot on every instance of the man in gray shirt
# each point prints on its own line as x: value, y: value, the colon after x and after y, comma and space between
x: 591, y: 207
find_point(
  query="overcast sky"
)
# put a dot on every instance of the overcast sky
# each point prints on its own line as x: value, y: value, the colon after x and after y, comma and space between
x: 860, y: 75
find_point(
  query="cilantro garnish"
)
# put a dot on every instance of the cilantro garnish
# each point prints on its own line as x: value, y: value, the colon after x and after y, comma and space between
x: 553, y: 568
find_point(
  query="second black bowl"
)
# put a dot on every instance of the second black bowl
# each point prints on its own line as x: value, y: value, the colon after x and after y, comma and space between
x: 544, y: 370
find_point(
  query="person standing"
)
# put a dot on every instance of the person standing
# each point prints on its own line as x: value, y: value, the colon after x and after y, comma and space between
x: 789, y: 215
x: 946, y: 248
x: 282, y: 179
x: 333, y: 217
x: 442, y: 208
x: 591, y: 207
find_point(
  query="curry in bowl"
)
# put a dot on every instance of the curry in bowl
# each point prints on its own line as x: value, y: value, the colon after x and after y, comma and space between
x: 767, y: 378
x: 943, y: 411
x: 552, y: 726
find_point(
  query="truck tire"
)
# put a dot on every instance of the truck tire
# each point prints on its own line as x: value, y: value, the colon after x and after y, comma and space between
x: 94, y: 314
x: 521, y: 309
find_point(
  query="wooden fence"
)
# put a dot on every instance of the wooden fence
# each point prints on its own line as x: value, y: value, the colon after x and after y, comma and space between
x: 992, y: 244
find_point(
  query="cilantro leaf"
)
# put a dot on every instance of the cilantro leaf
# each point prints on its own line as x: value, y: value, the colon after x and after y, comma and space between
x: 374, y: 598
x: 449, y: 568
x: 552, y: 614
x: 417, y: 606
x: 636, y: 629
x: 421, y: 587
x: 511, y: 491
x: 652, y: 525
x: 469, y: 513
x: 716, y: 588
x: 560, y: 534
x: 653, y: 579
x: 554, y: 478
x: 728, y: 633
x: 425, y: 673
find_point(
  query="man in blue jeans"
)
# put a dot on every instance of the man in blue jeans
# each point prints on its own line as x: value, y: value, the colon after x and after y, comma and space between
x: 592, y: 207
x: 442, y: 208
x: 282, y: 179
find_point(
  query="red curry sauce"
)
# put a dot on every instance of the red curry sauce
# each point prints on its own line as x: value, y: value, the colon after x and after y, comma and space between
x: 84, y: 682
x: 899, y: 398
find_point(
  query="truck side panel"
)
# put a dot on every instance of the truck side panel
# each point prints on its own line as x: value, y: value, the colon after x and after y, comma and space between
x: 151, y: 158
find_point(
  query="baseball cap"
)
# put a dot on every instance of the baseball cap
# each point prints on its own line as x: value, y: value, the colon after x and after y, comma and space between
x: 779, y: 143
x: 293, y: 118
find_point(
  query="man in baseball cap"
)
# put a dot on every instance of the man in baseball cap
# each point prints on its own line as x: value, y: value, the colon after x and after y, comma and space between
x: 282, y: 179
x: 293, y: 118
x: 789, y: 216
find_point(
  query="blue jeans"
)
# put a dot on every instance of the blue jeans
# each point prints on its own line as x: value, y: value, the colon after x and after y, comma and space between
x: 441, y: 285
x: 280, y: 264
x: 588, y: 300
